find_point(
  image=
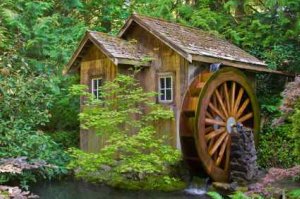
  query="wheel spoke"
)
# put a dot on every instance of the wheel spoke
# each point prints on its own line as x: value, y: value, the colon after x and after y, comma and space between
x: 217, y: 144
x: 213, y: 121
x: 238, y: 101
x: 207, y: 114
x: 227, y: 97
x: 209, y: 129
x: 245, y: 117
x: 221, y: 102
x: 214, y: 100
x: 222, y: 150
x: 216, y: 111
x: 242, y: 108
x: 214, y: 133
x: 211, y: 143
x: 232, y: 96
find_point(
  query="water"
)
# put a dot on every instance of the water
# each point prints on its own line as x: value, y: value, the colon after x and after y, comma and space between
x: 71, y: 189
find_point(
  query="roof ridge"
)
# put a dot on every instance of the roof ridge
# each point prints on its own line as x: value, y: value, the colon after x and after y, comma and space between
x: 176, y: 23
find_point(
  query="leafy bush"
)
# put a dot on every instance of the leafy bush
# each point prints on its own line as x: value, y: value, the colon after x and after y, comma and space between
x: 277, y: 141
x: 275, y: 146
x: 135, y: 156
x: 36, y: 146
x: 24, y: 110
x: 294, y: 194
x: 66, y: 139
x: 296, y: 129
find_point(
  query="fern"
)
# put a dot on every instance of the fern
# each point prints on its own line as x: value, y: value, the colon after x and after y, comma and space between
x: 214, y: 195
x: 294, y: 194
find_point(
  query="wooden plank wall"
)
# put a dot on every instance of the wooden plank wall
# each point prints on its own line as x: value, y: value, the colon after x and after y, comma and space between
x: 94, y: 64
x: 165, y: 60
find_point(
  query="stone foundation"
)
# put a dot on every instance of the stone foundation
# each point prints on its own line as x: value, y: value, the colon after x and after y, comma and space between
x: 243, y: 164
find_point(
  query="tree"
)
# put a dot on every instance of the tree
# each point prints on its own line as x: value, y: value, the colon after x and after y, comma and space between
x: 135, y: 156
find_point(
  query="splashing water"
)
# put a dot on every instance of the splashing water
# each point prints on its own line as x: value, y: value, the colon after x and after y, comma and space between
x: 195, y: 191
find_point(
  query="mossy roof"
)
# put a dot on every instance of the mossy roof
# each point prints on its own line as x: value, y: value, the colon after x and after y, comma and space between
x: 118, y: 50
x: 192, y: 41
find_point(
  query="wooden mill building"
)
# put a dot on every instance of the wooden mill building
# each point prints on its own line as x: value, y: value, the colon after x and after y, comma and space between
x: 183, y: 60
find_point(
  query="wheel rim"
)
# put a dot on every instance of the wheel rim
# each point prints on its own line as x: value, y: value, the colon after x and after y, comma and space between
x: 226, y: 98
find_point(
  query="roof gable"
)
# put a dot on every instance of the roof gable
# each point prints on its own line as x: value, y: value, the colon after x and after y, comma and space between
x: 119, y: 51
x: 196, y: 45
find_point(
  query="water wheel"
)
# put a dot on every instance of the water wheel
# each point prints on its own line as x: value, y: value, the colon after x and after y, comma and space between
x: 213, y: 103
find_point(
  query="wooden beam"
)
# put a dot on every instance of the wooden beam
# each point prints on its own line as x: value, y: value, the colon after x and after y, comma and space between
x: 76, y: 53
x: 133, y: 62
x: 238, y: 64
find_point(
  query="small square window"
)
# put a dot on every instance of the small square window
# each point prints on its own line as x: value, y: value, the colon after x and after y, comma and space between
x: 165, y: 88
x: 96, y: 87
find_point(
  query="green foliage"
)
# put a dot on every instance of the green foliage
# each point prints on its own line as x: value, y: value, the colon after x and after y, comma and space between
x: 65, y: 107
x: 239, y: 195
x: 38, y: 37
x: 235, y: 195
x: 121, y: 99
x: 294, y: 194
x: 295, y: 132
x: 66, y: 139
x: 135, y: 156
x: 33, y: 51
x: 25, y: 108
x: 214, y: 195
x: 275, y: 146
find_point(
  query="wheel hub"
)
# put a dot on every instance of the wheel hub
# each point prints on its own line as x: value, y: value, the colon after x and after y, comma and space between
x: 230, y: 123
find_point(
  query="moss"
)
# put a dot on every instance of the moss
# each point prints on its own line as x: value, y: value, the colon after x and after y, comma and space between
x: 158, y: 183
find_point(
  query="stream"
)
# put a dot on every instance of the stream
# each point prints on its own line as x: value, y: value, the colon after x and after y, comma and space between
x: 71, y: 189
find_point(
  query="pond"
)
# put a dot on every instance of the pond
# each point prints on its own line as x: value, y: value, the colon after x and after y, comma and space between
x: 71, y: 189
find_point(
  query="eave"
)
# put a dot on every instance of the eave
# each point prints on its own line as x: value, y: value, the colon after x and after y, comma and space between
x: 240, y: 65
x: 77, y: 56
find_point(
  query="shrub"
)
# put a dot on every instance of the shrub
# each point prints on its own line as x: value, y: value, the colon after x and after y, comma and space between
x: 36, y: 146
x: 66, y: 139
x: 135, y: 156
x: 295, y: 132
x: 275, y: 146
x: 24, y: 110
x: 277, y: 142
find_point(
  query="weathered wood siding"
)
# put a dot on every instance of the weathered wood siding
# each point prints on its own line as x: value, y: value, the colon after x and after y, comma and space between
x: 165, y: 60
x: 94, y: 64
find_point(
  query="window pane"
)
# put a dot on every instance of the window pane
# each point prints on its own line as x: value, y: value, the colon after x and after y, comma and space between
x: 168, y: 94
x: 168, y: 82
x: 95, y: 84
x: 162, y: 82
x: 162, y: 95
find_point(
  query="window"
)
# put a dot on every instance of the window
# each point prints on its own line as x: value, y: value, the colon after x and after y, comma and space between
x: 165, y: 88
x: 96, y: 87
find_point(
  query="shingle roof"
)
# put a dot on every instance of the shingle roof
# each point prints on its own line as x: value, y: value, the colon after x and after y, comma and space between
x: 194, y: 41
x: 118, y: 50
x: 117, y: 47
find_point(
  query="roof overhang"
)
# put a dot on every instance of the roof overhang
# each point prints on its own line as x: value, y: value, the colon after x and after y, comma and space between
x: 74, y: 62
x: 258, y: 67
x: 156, y: 34
x: 237, y: 64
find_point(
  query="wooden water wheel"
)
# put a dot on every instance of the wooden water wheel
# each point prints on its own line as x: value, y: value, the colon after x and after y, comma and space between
x: 212, y: 105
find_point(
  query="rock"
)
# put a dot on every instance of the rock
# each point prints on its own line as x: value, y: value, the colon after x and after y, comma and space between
x: 243, y: 155
x: 225, y: 187
x: 105, y: 167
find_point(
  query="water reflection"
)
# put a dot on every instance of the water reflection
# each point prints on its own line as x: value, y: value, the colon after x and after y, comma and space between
x: 80, y: 190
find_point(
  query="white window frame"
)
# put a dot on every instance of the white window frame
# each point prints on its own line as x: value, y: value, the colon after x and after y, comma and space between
x: 165, y: 76
x: 96, y: 89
